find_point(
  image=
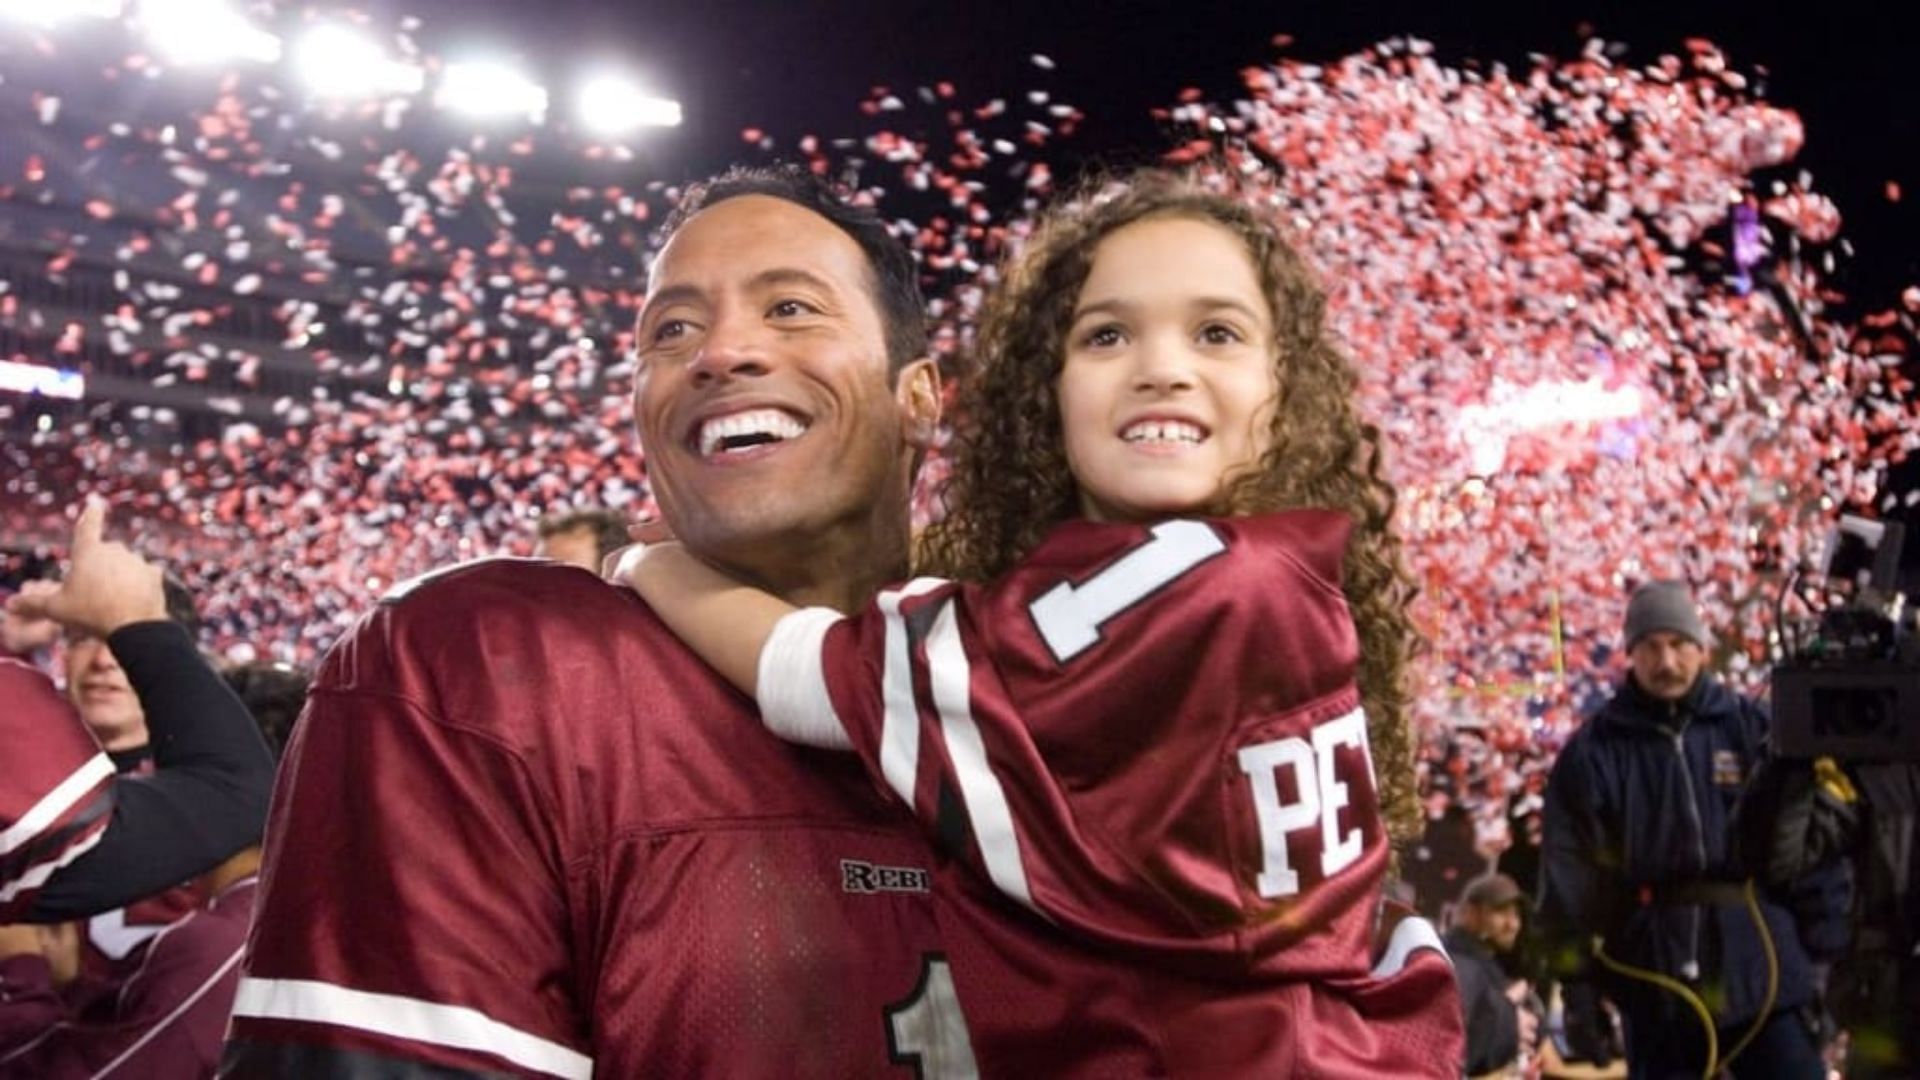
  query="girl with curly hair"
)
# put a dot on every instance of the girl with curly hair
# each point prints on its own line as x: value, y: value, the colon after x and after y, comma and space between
x: 1166, y: 709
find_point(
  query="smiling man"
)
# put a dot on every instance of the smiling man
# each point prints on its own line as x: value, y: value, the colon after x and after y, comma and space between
x: 522, y: 830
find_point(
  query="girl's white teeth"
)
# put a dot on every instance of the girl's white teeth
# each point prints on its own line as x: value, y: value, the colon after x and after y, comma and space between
x: 742, y: 430
x: 1163, y: 431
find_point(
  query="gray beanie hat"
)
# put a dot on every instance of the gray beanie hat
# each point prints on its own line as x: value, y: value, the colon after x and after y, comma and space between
x: 1664, y: 605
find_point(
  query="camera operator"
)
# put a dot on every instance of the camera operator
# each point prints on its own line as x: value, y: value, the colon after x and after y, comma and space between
x: 1841, y: 786
x: 1798, y: 819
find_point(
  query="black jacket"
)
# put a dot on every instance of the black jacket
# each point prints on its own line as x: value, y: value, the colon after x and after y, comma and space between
x: 1492, y: 1020
x: 1638, y: 809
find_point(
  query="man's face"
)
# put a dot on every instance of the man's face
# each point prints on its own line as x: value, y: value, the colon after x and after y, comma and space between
x: 100, y: 691
x: 762, y: 396
x: 579, y: 547
x: 1499, y: 926
x: 1665, y: 664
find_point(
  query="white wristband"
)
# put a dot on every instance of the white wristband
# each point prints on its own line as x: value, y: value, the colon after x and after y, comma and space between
x: 794, y: 702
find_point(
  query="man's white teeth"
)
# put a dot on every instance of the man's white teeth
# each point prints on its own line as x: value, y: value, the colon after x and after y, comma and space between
x: 738, y: 431
x: 1163, y: 431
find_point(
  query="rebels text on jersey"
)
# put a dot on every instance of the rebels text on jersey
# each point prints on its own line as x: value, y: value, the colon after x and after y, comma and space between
x: 520, y: 829
x: 1149, y: 737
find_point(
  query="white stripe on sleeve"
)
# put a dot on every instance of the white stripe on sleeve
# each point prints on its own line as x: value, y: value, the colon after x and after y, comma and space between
x: 986, y: 800
x: 37, y: 874
x: 56, y: 803
x: 900, y: 731
x: 1410, y: 935
x: 454, y: 1026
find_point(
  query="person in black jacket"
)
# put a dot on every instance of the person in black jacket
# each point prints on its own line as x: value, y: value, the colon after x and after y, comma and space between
x: 1642, y: 895
x: 1485, y: 930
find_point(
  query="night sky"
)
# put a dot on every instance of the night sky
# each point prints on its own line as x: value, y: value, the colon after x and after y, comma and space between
x: 795, y: 68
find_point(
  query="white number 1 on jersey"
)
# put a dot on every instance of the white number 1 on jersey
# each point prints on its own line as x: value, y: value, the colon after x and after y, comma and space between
x: 1069, y: 617
x: 928, y: 1032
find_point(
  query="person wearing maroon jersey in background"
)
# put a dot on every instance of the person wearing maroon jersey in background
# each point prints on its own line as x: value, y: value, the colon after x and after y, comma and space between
x: 75, y: 839
x: 1148, y: 729
x: 202, y: 795
x: 56, y: 791
x: 167, y: 1019
x: 520, y: 829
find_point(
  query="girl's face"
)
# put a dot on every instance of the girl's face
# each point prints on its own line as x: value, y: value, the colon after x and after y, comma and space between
x: 1170, y: 375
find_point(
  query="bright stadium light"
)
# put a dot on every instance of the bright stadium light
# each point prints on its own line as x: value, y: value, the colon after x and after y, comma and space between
x: 202, y: 32
x: 489, y: 89
x: 338, y: 62
x: 41, y: 13
x: 616, y: 105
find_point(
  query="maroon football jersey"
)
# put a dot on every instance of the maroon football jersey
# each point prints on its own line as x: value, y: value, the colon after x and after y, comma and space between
x: 521, y: 829
x: 56, y: 786
x: 112, y: 942
x: 164, y: 1021
x: 1151, y: 739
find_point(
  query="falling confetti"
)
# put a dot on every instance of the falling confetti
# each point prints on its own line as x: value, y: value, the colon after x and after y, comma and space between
x: 1602, y: 348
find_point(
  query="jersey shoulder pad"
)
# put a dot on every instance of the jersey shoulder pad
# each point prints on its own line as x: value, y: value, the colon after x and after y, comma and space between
x: 404, y: 589
x: 1314, y: 540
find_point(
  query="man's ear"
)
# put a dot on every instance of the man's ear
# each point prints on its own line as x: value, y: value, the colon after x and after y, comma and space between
x: 916, y: 390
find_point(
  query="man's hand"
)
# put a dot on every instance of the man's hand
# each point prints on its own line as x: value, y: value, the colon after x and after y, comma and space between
x: 619, y: 566
x: 23, y: 636
x: 107, y: 586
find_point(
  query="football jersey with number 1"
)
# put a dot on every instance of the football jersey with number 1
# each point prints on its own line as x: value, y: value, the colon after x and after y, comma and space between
x: 1147, y: 741
x: 520, y: 830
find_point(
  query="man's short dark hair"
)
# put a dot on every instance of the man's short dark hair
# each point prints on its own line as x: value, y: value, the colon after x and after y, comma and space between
x: 895, y: 281
x: 274, y: 694
x: 609, y: 528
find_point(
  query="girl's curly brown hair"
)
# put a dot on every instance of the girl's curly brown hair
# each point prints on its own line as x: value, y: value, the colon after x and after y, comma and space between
x: 1010, y: 482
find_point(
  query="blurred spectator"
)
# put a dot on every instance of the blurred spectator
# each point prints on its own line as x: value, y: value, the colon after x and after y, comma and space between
x: 274, y: 693
x: 113, y: 711
x: 1501, y: 1035
x: 210, y: 776
x: 582, y: 537
x: 1638, y: 874
x: 56, y: 791
x: 169, y: 1016
x: 106, y: 700
x: 28, y: 639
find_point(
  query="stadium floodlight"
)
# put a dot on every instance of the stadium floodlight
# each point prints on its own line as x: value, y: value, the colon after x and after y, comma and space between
x: 485, y: 88
x: 41, y: 13
x: 616, y: 105
x: 203, y: 32
x: 336, y: 61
